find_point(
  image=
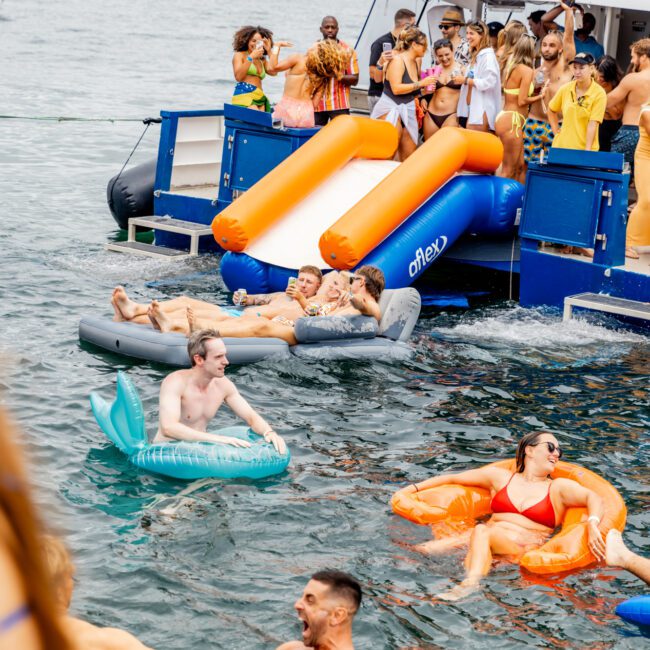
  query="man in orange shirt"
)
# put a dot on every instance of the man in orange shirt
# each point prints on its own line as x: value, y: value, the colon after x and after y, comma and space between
x: 336, y: 98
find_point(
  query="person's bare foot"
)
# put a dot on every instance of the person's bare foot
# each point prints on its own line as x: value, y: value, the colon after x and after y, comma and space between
x: 615, y: 550
x: 118, y: 317
x: 158, y: 318
x: 122, y: 303
x: 191, y: 319
x: 464, y: 589
x: 631, y: 253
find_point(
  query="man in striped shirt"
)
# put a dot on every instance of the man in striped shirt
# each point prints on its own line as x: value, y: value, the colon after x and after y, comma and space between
x: 336, y: 98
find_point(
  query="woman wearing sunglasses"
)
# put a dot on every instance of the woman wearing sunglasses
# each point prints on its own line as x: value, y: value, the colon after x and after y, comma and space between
x: 527, y: 505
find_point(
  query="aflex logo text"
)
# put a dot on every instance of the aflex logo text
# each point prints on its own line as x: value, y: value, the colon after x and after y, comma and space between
x: 424, y: 257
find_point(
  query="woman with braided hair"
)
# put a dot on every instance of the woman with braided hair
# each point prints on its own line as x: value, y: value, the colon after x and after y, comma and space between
x: 306, y: 79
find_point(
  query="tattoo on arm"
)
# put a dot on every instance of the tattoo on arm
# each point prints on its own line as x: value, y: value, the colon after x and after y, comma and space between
x: 261, y: 298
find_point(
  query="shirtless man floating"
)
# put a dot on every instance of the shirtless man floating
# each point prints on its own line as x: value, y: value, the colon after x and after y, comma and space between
x: 326, y: 609
x: 334, y: 300
x: 267, y: 305
x: 189, y: 399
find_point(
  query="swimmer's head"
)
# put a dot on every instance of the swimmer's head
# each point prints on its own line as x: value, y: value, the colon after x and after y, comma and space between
x: 309, y: 280
x: 59, y: 566
x: 327, y: 606
x: 207, y: 350
x: 370, y: 277
x: 540, y: 448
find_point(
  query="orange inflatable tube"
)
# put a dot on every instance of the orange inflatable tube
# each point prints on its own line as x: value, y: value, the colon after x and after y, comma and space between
x: 454, y: 508
x: 343, y: 139
x: 384, y: 208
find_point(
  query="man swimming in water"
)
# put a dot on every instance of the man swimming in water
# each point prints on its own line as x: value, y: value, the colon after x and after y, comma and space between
x: 267, y: 305
x: 190, y: 398
x: 326, y: 609
x: 365, y: 290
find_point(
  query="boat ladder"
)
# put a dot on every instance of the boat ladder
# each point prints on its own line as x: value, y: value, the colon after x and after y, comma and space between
x: 607, y: 304
x: 189, y: 228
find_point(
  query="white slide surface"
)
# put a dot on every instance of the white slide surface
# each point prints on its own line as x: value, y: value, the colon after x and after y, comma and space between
x: 293, y: 241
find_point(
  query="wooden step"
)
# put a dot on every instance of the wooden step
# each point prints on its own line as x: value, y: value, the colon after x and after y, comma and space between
x: 607, y: 304
x: 149, y: 250
x: 172, y: 225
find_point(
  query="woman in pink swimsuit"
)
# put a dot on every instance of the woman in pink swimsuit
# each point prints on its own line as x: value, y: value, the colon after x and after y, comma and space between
x: 527, y: 506
x: 306, y: 78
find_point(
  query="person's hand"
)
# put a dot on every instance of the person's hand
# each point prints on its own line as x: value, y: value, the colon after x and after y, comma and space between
x: 387, y: 56
x: 283, y: 44
x: 458, y: 79
x: 344, y: 299
x: 237, y: 298
x: 430, y: 80
x: 257, y: 53
x: 229, y: 440
x: 293, y: 292
x: 276, y: 440
x: 565, y: 6
x: 596, y: 543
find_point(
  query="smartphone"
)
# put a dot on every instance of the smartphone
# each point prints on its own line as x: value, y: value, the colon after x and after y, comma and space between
x: 386, y: 47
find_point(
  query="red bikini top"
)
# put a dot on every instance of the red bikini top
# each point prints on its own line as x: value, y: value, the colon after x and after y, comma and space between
x: 541, y: 513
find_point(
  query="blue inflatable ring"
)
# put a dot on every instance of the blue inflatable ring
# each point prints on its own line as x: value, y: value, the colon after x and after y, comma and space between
x: 636, y: 610
x: 123, y: 423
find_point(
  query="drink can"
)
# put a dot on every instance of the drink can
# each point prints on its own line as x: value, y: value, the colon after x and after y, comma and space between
x: 240, y: 297
x: 292, y: 280
x: 312, y: 309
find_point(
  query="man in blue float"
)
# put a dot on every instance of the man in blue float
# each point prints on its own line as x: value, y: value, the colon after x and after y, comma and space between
x: 326, y: 610
x: 190, y: 399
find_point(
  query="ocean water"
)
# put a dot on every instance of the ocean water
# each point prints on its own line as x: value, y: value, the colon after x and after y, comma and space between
x: 219, y: 564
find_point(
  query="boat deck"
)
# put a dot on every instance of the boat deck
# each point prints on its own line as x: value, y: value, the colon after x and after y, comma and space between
x: 641, y: 265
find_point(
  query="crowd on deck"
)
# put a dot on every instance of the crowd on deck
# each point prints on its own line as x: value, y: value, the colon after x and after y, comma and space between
x: 552, y: 87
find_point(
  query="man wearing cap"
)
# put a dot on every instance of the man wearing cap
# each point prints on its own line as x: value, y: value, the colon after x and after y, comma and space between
x: 494, y: 28
x: 582, y: 103
x: 450, y: 24
x: 381, y: 54
x: 634, y: 90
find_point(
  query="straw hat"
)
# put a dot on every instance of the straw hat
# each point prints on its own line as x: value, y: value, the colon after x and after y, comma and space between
x: 452, y: 17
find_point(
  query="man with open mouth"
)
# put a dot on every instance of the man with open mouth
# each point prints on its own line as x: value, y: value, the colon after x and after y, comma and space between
x: 326, y: 609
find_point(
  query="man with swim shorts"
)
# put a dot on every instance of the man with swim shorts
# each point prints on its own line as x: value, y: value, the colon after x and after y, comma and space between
x: 634, y: 90
x: 326, y: 609
x: 556, y: 49
x: 190, y: 399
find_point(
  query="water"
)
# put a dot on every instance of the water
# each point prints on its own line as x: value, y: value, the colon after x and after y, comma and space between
x: 221, y: 567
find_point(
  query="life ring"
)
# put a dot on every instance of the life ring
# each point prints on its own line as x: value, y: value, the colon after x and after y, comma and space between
x: 123, y: 423
x: 635, y: 610
x: 451, y: 509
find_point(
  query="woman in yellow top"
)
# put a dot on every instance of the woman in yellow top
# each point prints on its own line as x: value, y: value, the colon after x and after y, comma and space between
x: 638, y: 226
x: 249, y: 65
x: 582, y: 103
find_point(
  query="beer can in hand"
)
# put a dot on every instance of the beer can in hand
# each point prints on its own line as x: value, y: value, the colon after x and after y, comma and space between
x: 240, y: 296
x: 292, y: 280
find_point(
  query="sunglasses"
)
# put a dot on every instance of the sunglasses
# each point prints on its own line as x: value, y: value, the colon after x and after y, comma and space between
x: 355, y: 277
x: 552, y: 447
x: 448, y: 26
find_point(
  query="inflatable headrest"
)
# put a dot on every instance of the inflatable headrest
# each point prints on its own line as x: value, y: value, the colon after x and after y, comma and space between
x: 314, y: 329
x: 400, y: 309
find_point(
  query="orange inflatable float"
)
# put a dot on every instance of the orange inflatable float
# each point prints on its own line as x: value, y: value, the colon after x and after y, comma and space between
x: 453, y: 508
x: 384, y: 208
x: 298, y: 175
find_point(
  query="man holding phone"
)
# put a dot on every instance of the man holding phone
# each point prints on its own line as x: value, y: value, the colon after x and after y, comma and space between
x: 381, y: 52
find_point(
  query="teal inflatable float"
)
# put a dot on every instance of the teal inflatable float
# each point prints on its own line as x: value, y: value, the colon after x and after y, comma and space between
x: 124, y: 423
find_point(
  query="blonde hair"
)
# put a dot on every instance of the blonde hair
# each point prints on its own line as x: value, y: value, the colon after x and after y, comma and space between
x: 327, y: 60
x: 58, y: 563
x: 522, y: 54
x: 512, y: 33
x: 408, y: 37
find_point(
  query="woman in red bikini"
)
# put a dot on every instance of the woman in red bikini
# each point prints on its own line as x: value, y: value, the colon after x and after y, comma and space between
x: 527, y: 506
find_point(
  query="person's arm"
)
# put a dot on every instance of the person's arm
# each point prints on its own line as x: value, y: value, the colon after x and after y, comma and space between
x: 553, y: 110
x: 170, y: 417
x: 487, y: 74
x: 552, y: 14
x: 367, y: 307
x: 351, y: 76
x: 257, y: 299
x: 266, y: 52
x: 241, y: 408
x: 568, y: 42
x: 484, y: 477
x: 286, y: 64
x: 294, y: 293
x: 574, y: 495
x: 524, y: 87
x: 620, y: 93
x: 596, y: 117
x: 241, y: 63
x: 378, y: 58
x: 394, y: 74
